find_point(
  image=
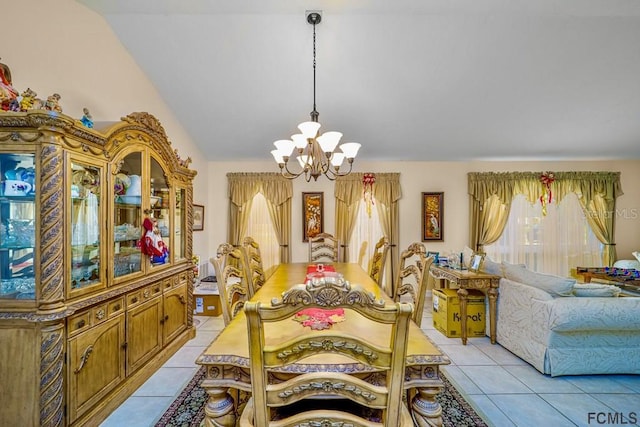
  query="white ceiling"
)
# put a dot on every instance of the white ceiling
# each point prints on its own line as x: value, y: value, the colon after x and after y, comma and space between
x: 409, y: 79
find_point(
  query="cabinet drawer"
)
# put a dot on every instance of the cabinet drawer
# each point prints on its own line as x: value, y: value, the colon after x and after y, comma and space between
x: 115, y: 307
x: 134, y: 298
x: 183, y: 278
x: 99, y: 314
x: 79, y: 322
x: 152, y: 291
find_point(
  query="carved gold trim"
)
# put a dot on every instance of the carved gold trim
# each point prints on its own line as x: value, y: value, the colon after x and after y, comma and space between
x: 51, y: 375
x: 337, y: 346
x: 327, y: 294
x: 329, y: 386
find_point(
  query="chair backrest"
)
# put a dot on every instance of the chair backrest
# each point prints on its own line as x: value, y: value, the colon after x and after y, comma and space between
x: 267, y: 355
x: 232, y: 282
x: 323, y: 247
x: 412, y: 277
x: 379, y: 260
x: 253, y: 263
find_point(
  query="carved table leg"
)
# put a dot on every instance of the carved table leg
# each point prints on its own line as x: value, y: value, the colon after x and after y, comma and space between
x: 426, y: 411
x: 219, y: 410
x: 462, y: 297
x: 493, y: 297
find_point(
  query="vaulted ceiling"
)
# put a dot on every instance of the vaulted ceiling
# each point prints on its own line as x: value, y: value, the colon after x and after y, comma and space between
x: 408, y: 79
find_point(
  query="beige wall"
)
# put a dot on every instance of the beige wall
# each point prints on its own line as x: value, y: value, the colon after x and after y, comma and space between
x: 416, y: 177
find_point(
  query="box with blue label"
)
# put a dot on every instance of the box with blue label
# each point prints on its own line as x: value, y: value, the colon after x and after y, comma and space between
x: 446, y: 313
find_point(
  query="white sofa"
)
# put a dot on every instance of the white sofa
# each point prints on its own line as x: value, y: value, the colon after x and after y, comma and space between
x: 568, y: 335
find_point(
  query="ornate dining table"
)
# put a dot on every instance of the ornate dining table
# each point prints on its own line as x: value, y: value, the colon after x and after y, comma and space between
x: 227, y: 358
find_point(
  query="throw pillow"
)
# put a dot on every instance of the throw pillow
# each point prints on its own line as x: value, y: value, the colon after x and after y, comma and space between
x: 491, y: 267
x: 636, y: 254
x: 554, y: 285
x: 595, y: 290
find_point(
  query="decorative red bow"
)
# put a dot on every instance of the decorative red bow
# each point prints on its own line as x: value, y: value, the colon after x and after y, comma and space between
x: 547, y: 178
x: 368, y: 179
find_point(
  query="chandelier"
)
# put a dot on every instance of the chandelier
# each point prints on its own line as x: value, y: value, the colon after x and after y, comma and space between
x: 316, y: 153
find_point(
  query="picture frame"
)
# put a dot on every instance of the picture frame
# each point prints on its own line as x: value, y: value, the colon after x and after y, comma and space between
x: 476, y: 262
x: 312, y: 214
x: 198, y: 217
x: 436, y: 256
x: 433, y: 216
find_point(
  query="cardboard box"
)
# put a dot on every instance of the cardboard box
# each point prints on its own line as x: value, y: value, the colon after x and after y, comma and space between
x: 206, y: 302
x: 446, y: 313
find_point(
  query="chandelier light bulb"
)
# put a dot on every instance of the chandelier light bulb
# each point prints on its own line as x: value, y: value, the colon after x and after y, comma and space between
x: 350, y: 149
x: 329, y: 141
x: 309, y: 129
x: 284, y: 147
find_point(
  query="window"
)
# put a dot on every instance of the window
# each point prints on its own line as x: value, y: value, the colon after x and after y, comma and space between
x: 261, y: 229
x: 554, y: 243
x: 366, y: 233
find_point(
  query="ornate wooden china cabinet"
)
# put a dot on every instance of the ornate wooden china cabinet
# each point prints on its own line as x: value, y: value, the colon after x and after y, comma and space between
x: 95, y: 263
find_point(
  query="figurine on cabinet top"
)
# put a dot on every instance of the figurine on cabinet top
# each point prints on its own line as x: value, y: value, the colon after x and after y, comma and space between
x: 152, y: 243
x: 29, y: 101
x: 8, y: 95
x: 87, y: 119
x: 53, y: 103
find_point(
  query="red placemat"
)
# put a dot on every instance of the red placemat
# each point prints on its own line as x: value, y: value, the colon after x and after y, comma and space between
x: 313, y: 268
x: 318, y: 318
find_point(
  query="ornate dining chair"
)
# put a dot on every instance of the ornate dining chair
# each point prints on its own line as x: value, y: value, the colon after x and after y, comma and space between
x: 323, y: 247
x: 229, y: 265
x: 319, y: 398
x: 412, y: 278
x: 378, y: 262
x: 253, y: 263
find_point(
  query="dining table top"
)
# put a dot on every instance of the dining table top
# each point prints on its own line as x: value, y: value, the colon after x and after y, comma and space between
x: 231, y: 346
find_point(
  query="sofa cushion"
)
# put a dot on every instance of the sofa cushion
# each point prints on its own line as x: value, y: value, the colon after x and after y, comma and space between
x: 595, y: 290
x: 554, y: 285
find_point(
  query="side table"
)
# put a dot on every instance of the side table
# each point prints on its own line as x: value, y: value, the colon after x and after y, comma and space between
x: 465, y: 279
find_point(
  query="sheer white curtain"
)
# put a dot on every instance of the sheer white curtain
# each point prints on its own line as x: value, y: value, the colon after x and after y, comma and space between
x: 552, y: 244
x: 366, y: 233
x: 261, y: 229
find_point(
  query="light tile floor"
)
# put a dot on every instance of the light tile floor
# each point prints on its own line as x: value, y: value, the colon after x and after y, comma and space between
x: 504, y: 390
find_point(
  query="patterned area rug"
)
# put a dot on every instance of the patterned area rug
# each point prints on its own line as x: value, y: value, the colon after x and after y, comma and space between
x: 188, y: 409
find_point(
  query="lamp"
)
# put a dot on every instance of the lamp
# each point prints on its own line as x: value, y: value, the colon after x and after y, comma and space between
x: 316, y: 153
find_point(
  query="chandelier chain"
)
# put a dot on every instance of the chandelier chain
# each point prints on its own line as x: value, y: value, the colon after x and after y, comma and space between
x: 314, y: 113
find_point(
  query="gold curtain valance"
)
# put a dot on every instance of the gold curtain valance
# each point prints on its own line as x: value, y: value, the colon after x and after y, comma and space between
x: 386, y: 189
x: 505, y: 185
x: 244, y: 186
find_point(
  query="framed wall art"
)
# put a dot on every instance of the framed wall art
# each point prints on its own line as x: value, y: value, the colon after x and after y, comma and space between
x: 198, y: 217
x: 312, y: 215
x: 432, y: 216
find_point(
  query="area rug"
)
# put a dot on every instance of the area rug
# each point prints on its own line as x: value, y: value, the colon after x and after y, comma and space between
x: 188, y: 408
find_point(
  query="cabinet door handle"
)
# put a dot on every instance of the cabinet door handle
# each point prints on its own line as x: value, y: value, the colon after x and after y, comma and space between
x: 183, y: 300
x: 83, y: 359
x: 116, y: 307
x: 156, y: 290
x: 134, y: 300
x: 81, y: 324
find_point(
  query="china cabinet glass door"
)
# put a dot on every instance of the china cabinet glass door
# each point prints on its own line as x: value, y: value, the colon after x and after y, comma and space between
x: 86, y: 222
x: 17, y: 226
x: 159, y: 236
x: 180, y: 224
x: 127, y: 230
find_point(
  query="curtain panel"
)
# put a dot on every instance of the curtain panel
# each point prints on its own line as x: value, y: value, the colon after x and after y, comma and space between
x: 491, y: 193
x: 277, y: 190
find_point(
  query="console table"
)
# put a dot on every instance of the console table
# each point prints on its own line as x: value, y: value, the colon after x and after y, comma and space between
x: 464, y: 280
